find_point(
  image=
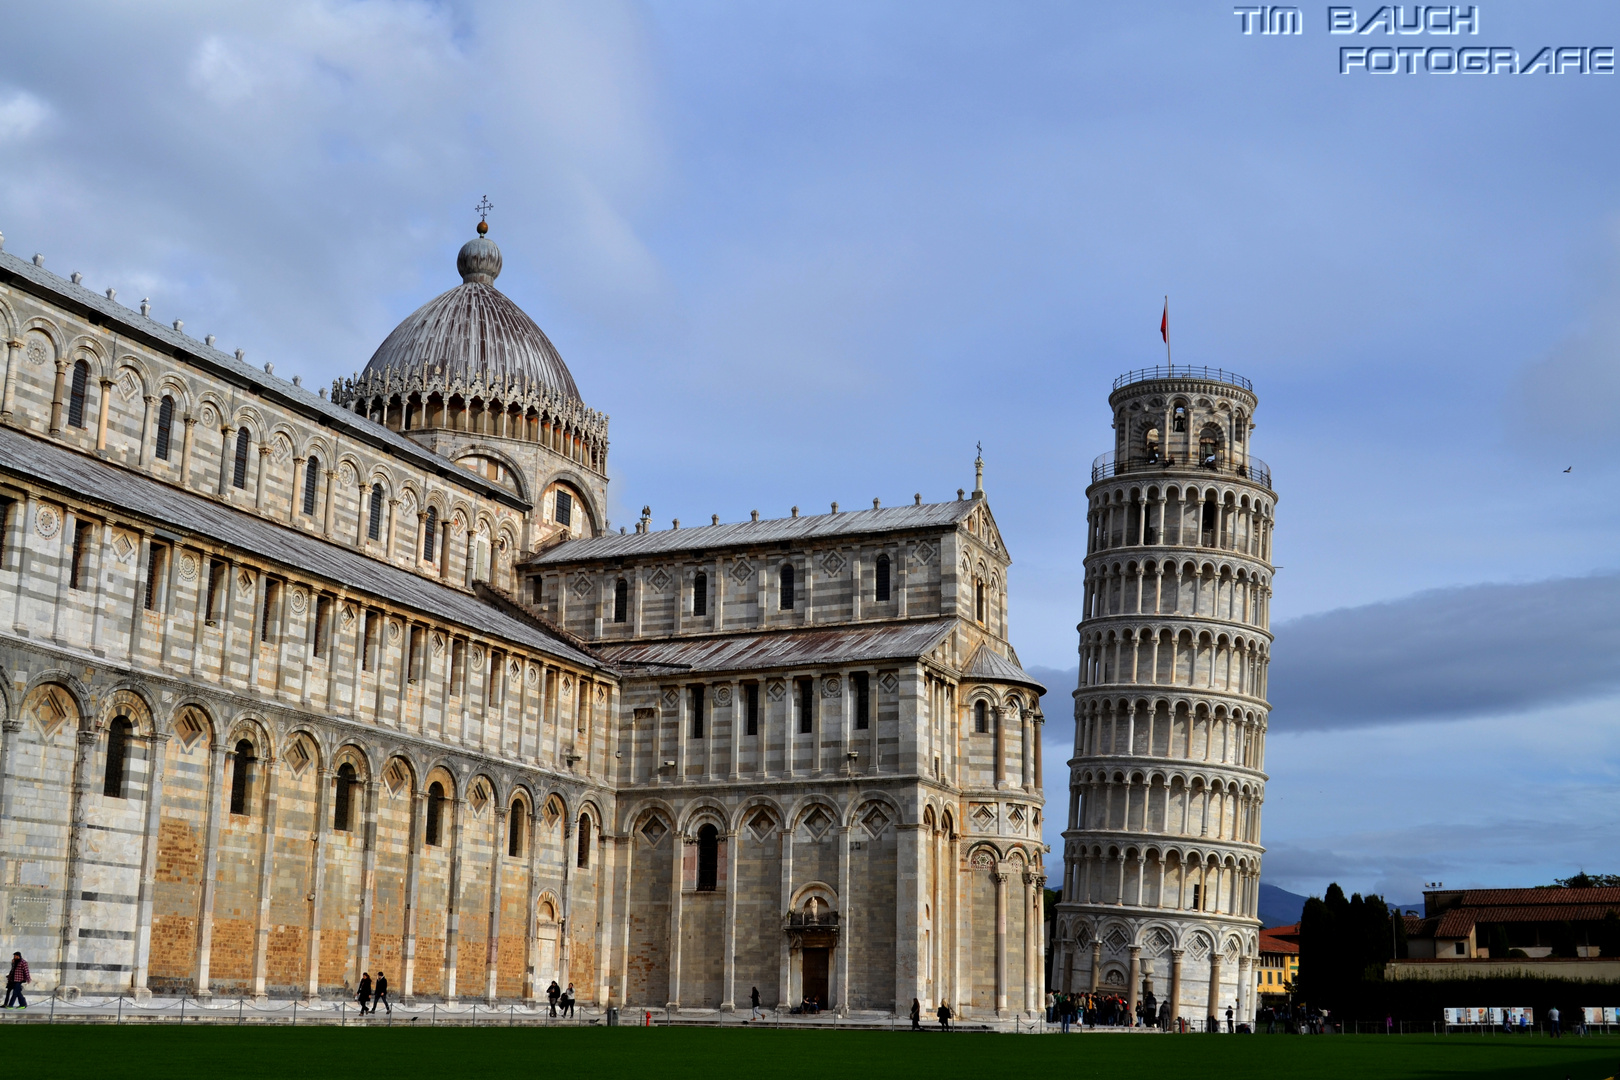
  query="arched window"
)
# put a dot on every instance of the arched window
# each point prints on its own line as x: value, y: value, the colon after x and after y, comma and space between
x: 81, y: 386
x: 241, y: 777
x: 165, y: 427
x: 582, y: 852
x: 621, y: 600
x: 1150, y: 444
x: 786, y: 603
x: 978, y: 600
x: 564, y: 512
x: 1178, y: 419
x: 882, y: 578
x: 700, y: 593
x: 514, y: 829
x: 112, y: 784
x: 435, y: 813
x: 981, y: 718
x: 1238, y: 425
x: 708, y: 868
x: 343, y: 799
x: 374, y: 524
x: 239, y: 475
x: 1209, y: 446
x: 430, y: 533
x: 312, y: 480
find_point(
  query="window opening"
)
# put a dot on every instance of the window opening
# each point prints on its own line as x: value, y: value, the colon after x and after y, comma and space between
x: 751, y: 702
x: 81, y: 386
x: 695, y: 698
x: 430, y: 533
x: 343, y: 800
x: 786, y: 602
x: 981, y: 718
x: 1178, y: 420
x: 435, y: 813
x: 369, y: 642
x: 621, y: 600
x: 239, y: 476
x: 863, y: 701
x: 156, y: 559
x: 806, y: 699
x: 374, y: 526
x: 272, y: 603
x: 582, y: 851
x: 978, y: 600
x: 700, y: 593
x: 708, y: 868
x: 241, y: 776
x: 165, y: 430
x: 81, y: 547
x: 323, y: 611
x: 312, y: 480
x: 112, y: 784
x: 565, y: 509
x: 458, y: 667
x: 882, y: 579
x: 514, y: 829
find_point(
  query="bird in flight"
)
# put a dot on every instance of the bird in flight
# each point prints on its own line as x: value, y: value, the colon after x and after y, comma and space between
x: 1570, y: 469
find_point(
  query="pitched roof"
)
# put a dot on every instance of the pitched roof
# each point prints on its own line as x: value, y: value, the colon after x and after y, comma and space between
x: 766, y: 531
x: 1456, y: 922
x: 991, y: 666
x: 129, y: 493
x: 1272, y: 942
x: 802, y: 647
x: 1531, y: 897
x: 266, y: 385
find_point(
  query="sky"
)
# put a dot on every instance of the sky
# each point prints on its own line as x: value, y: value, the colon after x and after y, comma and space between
x: 817, y: 252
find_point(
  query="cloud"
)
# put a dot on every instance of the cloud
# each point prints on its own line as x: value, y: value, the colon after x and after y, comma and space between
x: 1444, y: 654
x: 21, y: 114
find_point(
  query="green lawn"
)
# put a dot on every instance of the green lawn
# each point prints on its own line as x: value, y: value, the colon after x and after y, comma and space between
x: 117, y: 1053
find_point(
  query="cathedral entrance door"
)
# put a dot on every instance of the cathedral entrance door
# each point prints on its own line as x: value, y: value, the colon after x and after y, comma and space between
x: 815, y: 975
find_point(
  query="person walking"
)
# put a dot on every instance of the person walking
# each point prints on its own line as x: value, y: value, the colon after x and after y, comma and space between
x: 379, y: 995
x: 553, y: 992
x: 916, y: 1015
x: 755, y: 1012
x: 15, y: 979
x: 568, y: 1001
x: 944, y: 1014
x: 363, y: 994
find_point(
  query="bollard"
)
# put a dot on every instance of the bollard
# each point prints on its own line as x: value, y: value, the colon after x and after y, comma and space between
x: 120, y: 1019
x: 295, y: 1012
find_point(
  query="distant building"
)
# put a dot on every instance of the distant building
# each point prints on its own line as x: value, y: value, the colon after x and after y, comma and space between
x: 1279, y: 961
x: 1552, y: 933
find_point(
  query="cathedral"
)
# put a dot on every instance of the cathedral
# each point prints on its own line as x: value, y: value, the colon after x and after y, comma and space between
x: 298, y: 684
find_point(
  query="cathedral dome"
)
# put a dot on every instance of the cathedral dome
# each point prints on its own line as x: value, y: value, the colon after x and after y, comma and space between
x: 473, y: 333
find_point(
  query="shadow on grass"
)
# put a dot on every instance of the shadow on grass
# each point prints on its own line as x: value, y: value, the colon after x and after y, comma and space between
x: 400, y: 1053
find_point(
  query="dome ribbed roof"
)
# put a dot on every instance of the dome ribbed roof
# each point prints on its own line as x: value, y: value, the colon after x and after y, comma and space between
x: 474, y: 332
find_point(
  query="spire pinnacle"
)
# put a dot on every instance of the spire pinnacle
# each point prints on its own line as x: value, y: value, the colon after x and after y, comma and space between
x: 978, y: 473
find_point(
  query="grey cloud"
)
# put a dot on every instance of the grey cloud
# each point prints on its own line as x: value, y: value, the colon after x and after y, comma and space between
x: 1479, y: 650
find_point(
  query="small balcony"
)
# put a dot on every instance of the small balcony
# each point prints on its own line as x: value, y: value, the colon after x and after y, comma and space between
x: 1184, y: 371
x: 803, y: 920
x: 1251, y: 468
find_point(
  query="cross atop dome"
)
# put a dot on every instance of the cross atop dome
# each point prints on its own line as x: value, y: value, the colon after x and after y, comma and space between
x: 484, y: 207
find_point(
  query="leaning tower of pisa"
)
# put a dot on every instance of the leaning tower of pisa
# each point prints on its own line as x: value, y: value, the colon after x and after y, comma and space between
x: 1162, y: 850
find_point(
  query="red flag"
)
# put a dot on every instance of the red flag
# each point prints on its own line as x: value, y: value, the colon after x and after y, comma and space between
x: 1164, y: 323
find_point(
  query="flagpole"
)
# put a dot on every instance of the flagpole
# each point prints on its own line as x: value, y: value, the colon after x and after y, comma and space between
x: 1170, y: 364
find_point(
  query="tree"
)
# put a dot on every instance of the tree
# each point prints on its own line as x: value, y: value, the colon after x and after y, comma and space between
x: 1583, y: 880
x: 1609, y: 934
x: 1343, y: 945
